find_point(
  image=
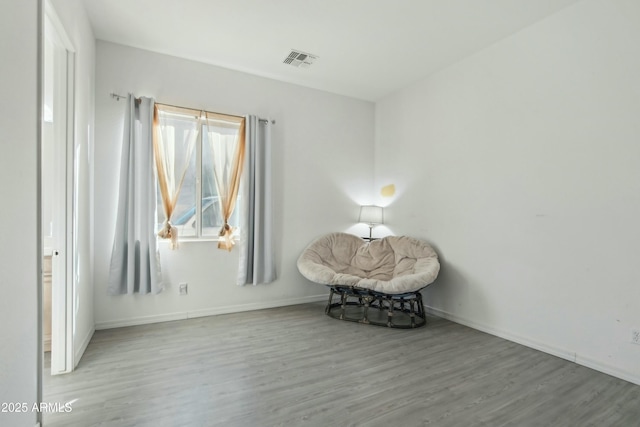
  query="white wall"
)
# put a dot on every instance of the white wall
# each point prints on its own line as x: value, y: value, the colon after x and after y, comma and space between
x: 20, y: 251
x: 521, y: 165
x: 76, y: 23
x: 322, y: 162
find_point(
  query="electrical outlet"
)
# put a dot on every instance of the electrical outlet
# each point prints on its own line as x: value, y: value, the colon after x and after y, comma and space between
x: 635, y: 336
x: 183, y: 288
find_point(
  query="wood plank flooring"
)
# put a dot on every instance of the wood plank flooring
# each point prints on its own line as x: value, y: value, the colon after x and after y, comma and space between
x: 295, y: 366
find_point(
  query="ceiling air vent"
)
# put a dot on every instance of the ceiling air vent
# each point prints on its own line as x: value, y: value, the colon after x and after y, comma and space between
x: 300, y: 59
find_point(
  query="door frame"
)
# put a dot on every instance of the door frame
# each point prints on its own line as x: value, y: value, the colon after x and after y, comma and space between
x: 63, y: 283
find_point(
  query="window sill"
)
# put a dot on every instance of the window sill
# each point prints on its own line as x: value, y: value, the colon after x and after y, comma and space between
x: 182, y: 240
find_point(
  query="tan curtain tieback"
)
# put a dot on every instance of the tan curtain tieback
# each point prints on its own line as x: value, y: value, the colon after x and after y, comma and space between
x: 168, y: 231
x: 226, y: 235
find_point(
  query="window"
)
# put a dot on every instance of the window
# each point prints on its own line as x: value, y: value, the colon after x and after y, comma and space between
x: 189, y: 140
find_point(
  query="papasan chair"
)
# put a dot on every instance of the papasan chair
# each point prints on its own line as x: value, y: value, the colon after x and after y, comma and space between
x: 375, y: 282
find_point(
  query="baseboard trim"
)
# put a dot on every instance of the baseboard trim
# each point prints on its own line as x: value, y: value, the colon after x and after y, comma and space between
x: 142, y: 320
x: 545, y: 348
x: 213, y: 311
x: 85, y: 342
x: 608, y: 369
x: 255, y: 306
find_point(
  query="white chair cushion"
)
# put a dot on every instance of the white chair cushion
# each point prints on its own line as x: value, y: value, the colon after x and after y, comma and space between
x: 392, y: 265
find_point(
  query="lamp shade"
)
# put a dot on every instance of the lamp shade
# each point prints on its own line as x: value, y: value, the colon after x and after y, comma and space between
x: 371, y: 214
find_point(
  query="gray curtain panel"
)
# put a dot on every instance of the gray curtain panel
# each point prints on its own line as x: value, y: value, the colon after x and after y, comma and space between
x: 135, y: 265
x: 257, y: 262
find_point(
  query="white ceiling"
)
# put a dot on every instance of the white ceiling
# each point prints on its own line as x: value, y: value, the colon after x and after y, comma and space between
x: 366, y: 48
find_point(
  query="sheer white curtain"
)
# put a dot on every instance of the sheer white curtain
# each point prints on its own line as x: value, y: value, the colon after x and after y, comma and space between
x: 135, y: 266
x: 173, y: 151
x: 228, y: 153
x: 257, y: 262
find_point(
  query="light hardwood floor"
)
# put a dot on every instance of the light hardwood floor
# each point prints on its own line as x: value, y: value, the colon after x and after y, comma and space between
x: 295, y: 366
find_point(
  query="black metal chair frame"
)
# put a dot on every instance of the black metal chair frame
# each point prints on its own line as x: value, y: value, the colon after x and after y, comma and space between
x: 404, y: 311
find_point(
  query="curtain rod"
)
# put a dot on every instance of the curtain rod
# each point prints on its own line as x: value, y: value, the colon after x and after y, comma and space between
x: 119, y: 97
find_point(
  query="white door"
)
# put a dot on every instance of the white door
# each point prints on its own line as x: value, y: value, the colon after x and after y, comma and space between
x: 57, y: 184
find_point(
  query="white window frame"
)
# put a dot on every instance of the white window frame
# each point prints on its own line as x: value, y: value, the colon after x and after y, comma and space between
x: 198, y: 237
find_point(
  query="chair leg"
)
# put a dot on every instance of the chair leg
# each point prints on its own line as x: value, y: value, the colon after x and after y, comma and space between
x: 390, y: 312
x: 421, y: 307
x: 412, y: 313
x: 365, y: 310
x: 328, y: 307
